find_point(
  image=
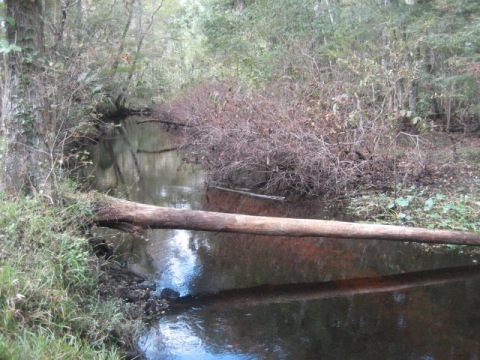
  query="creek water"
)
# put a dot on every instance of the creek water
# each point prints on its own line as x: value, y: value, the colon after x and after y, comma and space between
x: 430, y: 316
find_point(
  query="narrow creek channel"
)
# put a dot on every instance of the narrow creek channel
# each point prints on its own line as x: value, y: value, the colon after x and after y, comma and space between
x: 333, y: 299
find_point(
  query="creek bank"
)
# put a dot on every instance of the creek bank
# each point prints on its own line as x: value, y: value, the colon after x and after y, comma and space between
x: 50, y: 300
x: 120, y: 282
x: 448, y: 199
x: 143, y: 304
x: 107, y: 115
x: 117, y: 280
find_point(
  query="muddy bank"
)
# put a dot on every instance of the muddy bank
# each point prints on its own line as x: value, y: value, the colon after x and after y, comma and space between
x: 143, y: 304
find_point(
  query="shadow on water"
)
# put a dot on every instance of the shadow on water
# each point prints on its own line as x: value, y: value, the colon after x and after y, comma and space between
x: 282, y: 298
x: 286, y: 293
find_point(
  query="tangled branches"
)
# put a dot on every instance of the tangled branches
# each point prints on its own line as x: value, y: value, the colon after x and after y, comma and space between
x: 309, y: 141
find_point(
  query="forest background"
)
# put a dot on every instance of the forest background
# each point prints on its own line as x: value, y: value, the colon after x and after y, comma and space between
x: 375, y: 100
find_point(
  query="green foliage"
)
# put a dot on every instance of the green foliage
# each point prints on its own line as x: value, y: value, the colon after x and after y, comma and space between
x: 6, y: 47
x: 414, y: 207
x: 421, y: 59
x: 375, y: 68
x: 48, y: 297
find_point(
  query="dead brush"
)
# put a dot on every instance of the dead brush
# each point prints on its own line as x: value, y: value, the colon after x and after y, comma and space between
x: 289, y: 140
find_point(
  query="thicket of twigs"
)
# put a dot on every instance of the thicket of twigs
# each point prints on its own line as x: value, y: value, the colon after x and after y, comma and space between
x: 312, y: 140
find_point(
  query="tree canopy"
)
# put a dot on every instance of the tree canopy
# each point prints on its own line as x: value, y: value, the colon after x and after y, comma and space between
x: 331, y: 87
x: 378, y: 66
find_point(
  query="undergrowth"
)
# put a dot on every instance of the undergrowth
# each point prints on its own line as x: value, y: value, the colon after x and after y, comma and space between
x: 307, y: 139
x: 49, y: 302
x: 413, y: 206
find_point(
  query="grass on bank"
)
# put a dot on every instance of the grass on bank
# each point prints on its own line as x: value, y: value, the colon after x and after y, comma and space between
x: 49, y: 302
x: 413, y: 206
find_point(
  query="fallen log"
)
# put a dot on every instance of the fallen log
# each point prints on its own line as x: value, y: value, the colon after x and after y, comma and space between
x: 131, y: 216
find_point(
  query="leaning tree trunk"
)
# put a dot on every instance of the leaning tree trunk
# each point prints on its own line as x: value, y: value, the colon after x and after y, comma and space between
x: 27, y: 127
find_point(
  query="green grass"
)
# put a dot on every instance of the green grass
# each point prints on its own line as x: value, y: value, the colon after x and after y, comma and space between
x: 49, y: 302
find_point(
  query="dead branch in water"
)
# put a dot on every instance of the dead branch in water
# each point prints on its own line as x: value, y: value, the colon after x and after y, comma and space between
x: 158, y: 151
x: 252, y: 194
x: 161, y: 121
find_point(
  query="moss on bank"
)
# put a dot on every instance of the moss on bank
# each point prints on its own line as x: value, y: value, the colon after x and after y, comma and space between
x: 50, y: 304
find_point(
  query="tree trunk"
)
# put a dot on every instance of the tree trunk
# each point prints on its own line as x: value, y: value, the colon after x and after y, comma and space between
x: 131, y: 216
x: 331, y: 12
x: 27, y: 128
x: 121, y: 48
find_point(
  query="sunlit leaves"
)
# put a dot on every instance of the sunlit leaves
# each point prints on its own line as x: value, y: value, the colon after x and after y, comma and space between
x: 6, y: 47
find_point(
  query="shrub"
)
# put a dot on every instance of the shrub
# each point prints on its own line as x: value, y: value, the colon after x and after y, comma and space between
x: 313, y: 140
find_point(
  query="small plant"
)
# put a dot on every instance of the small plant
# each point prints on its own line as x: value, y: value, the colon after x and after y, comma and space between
x: 414, y: 207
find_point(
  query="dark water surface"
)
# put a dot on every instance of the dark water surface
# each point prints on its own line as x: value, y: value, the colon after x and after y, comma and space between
x: 426, y: 315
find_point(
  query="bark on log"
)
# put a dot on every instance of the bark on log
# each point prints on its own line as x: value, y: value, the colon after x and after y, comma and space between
x: 131, y: 216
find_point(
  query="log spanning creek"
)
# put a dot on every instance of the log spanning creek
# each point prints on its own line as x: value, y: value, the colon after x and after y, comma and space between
x: 258, y: 297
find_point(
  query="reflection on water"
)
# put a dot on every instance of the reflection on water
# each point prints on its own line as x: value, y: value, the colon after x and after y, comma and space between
x: 426, y: 322
x: 182, y: 267
x: 379, y: 326
x: 183, y: 338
